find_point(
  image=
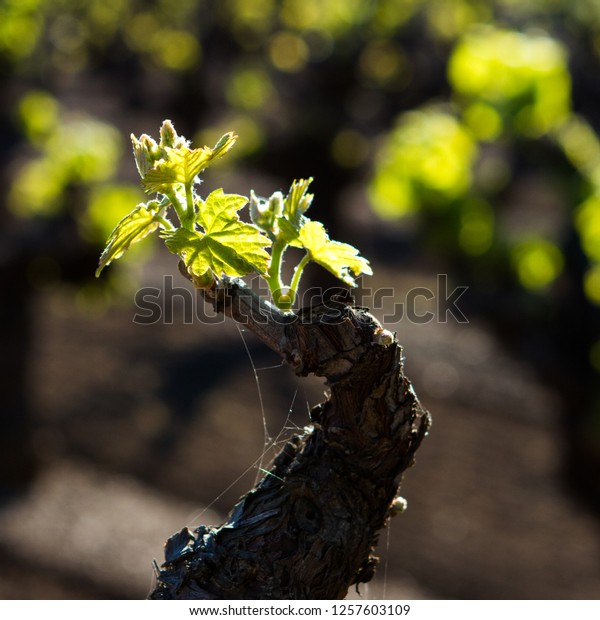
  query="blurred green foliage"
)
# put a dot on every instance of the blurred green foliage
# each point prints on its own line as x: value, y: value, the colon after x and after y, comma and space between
x: 507, y: 87
x: 426, y: 161
x: 450, y: 155
x: 474, y: 121
x: 71, y: 30
x: 439, y: 103
x: 73, y: 148
x: 521, y: 78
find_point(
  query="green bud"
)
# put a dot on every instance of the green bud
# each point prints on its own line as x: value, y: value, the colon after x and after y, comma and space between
x: 146, y: 152
x: 275, y: 204
x: 223, y: 140
x: 254, y: 205
x: 168, y: 135
x: 265, y: 213
x: 224, y: 143
x: 259, y: 212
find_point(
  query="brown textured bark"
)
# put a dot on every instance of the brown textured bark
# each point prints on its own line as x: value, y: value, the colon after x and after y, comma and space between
x: 309, y: 528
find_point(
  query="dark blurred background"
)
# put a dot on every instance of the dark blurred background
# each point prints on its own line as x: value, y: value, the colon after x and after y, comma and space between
x: 456, y: 138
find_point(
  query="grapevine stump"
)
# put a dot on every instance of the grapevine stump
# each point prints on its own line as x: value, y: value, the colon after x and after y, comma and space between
x: 309, y: 528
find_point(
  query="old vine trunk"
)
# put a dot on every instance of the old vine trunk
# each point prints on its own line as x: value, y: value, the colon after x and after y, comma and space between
x: 308, y: 529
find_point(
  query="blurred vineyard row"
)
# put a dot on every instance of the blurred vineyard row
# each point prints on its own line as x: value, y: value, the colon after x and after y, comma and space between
x: 468, y: 130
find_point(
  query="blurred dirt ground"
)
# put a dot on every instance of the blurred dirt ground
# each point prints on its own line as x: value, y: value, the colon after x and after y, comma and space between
x: 139, y: 428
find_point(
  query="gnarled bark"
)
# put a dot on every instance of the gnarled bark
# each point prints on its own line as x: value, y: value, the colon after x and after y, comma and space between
x: 309, y: 528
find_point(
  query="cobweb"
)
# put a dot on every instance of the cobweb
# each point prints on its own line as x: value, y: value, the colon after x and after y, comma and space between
x: 273, y: 442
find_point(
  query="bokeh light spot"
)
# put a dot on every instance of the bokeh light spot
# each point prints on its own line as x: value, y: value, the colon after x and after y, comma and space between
x: 484, y: 121
x: 383, y: 64
x: 39, y: 115
x: 175, y: 49
x: 249, y: 89
x: 107, y: 205
x: 587, y: 223
x: 476, y: 227
x: 538, y: 262
x: 591, y: 284
x: 350, y: 148
x: 288, y: 52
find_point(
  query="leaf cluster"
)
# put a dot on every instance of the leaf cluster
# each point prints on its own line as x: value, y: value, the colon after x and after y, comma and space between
x: 209, y: 236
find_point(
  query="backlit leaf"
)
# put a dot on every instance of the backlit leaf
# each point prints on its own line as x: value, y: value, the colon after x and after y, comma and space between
x: 182, y: 164
x: 297, y: 201
x: 227, y: 246
x: 131, y: 229
x: 219, y: 208
x: 341, y: 259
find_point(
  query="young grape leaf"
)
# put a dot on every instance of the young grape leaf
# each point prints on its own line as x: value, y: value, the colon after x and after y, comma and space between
x: 282, y: 218
x: 131, y: 229
x: 182, y: 164
x: 219, y: 206
x: 289, y: 219
x: 297, y: 202
x: 338, y: 258
x: 227, y: 245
